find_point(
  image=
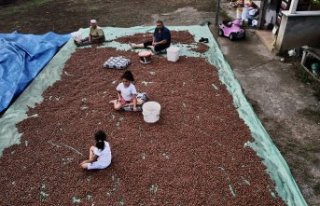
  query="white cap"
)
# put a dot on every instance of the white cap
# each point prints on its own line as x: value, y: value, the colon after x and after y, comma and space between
x: 93, y: 21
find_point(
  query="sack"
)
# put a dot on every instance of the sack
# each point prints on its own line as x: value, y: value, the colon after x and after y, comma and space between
x: 117, y: 63
x: 142, y: 98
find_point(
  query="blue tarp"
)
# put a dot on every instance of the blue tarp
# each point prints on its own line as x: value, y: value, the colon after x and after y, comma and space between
x: 22, y: 56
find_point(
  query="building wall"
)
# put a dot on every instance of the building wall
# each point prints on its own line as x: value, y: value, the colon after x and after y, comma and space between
x: 296, y: 31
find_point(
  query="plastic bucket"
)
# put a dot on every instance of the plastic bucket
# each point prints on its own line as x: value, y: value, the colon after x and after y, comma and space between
x: 173, y: 54
x: 151, y: 111
x: 145, y: 57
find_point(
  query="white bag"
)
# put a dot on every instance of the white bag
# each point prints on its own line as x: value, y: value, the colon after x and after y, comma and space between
x: 117, y: 63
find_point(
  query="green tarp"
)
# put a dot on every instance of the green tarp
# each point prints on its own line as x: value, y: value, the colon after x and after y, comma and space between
x: 262, y: 144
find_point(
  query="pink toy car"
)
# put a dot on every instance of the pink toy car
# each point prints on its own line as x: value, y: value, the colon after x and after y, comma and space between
x: 232, y: 30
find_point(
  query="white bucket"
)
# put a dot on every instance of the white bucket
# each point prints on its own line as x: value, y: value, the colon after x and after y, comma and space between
x: 151, y: 111
x: 173, y: 54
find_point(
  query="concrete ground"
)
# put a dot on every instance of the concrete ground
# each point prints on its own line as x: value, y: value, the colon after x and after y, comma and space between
x: 286, y: 106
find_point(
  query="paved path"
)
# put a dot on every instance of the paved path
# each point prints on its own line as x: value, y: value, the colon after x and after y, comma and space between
x: 286, y: 106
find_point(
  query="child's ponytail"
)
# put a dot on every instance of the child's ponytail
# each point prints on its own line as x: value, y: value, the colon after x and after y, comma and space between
x: 100, y: 137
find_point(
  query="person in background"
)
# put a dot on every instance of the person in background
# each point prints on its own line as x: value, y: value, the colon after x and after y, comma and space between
x: 248, y: 5
x: 96, y: 35
x: 253, y: 12
x: 100, y: 154
x: 161, y: 39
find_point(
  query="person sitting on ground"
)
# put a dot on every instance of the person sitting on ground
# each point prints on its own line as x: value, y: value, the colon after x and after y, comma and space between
x: 96, y: 35
x: 99, y: 155
x: 161, y: 39
x: 127, y: 93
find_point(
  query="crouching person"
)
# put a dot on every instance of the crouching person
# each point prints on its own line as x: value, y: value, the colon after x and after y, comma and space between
x: 99, y: 155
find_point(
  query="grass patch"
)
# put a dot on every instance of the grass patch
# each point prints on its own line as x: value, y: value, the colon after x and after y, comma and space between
x: 23, y: 7
x: 306, y: 78
x: 310, y: 147
x: 311, y: 114
x: 316, y: 188
x: 306, y: 175
x: 290, y: 146
x: 303, y: 75
x: 225, y: 15
x: 315, y: 161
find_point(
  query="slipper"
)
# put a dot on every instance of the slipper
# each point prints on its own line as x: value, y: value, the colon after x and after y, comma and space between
x: 205, y: 40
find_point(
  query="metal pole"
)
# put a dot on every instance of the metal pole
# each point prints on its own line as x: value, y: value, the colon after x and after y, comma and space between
x: 262, y: 13
x: 217, y: 13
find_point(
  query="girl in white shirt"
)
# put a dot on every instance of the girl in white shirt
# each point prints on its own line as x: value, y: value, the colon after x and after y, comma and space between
x: 99, y: 155
x: 126, y: 92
